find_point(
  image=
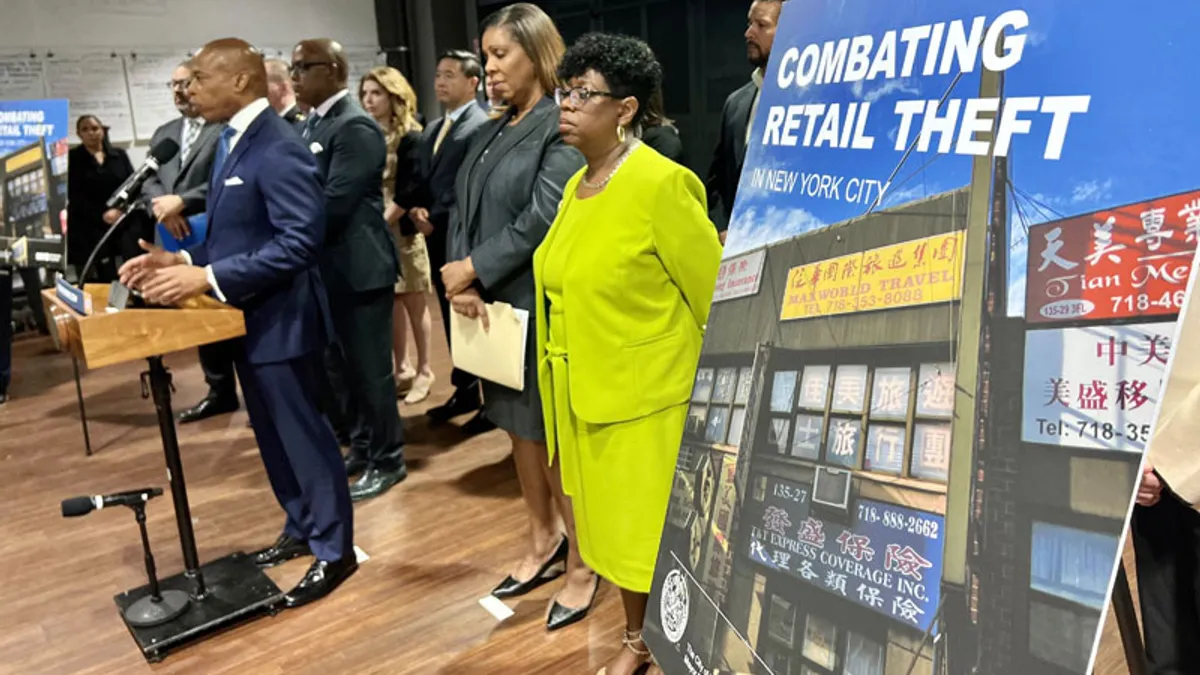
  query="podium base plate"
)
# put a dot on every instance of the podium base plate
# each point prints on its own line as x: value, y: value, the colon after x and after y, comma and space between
x: 237, y: 592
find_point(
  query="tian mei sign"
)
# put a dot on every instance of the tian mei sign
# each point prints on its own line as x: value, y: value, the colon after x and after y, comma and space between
x: 1128, y: 261
x: 888, y: 560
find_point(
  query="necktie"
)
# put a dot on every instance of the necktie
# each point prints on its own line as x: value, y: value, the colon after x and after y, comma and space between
x: 442, y: 133
x: 227, y: 135
x: 310, y: 124
x: 191, y: 130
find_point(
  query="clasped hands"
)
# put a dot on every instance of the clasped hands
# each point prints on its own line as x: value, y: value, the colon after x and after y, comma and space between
x: 163, y: 278
x: 457, y: 277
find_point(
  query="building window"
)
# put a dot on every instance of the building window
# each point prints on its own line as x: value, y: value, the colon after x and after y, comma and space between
x: 820, y: 642
x: 718, y: 410
x: 781, y: 625
x: 888, y: 419
x: 863, y: 656
x: 1069, y: 571
x: 1071, y: 564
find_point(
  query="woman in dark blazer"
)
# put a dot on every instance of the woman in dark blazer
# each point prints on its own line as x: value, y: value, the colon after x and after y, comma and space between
x: 508, y: 192
x: 95, y: 170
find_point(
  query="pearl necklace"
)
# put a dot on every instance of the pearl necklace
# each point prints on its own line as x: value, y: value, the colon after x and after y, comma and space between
x: 624, y: 156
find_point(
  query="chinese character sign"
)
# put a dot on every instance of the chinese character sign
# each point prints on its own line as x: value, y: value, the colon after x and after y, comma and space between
x: 889, y: 560
x: 1094, y: 387
x: 740, y: 277
x: 1130, y: 261
x: 918, y: 272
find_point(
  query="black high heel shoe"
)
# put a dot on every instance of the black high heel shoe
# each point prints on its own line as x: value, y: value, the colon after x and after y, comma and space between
x: 561, y: 616
x: 549, y: 571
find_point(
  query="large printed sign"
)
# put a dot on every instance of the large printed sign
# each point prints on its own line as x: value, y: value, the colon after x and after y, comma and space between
x: 33, y: 175
x: 888, y: 561
x: 1128, y: 261
x: 918, y: 272
x: 1094, y: 387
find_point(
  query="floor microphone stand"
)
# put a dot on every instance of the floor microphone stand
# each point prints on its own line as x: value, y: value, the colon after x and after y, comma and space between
x: 158, y: 606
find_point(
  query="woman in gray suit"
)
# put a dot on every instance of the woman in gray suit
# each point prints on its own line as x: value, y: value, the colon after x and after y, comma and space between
x: 509, y: 188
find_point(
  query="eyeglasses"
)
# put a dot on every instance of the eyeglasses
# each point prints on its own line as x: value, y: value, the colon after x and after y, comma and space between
x: 305, y: 66
x: 178, y: 84
x: 578, y: 96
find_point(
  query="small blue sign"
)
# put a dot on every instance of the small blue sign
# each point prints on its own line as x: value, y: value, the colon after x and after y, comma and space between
x: 71, y: 295
x: 889, y: 560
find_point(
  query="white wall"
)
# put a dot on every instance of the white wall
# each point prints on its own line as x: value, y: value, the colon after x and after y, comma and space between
x: 128, y: 24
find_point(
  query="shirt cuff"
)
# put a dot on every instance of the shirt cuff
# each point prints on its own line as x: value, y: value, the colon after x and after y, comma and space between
x: 212, y: 281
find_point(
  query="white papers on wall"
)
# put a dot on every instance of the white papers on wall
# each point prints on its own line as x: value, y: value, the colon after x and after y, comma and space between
x: 152, y: 100
x: 361, y: 62
x: 21, y: 77
x: 95, y: 85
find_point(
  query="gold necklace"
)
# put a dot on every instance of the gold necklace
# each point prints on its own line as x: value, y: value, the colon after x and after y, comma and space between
x: 624, y: 156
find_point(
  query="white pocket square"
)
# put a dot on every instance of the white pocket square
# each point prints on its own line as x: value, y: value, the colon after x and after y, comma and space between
x: 316, y: 148
x: 230, y: 182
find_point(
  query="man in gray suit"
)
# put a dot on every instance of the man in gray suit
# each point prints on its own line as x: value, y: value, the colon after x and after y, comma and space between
x: 358, y: 264
x: 178, y: 191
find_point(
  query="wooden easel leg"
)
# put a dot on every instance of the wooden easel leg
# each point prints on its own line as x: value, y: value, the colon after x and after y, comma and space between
x: 87, y: 438
x: 1127, y: 625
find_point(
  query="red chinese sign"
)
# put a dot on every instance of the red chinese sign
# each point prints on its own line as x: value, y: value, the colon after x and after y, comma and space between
x: 1130, y: 261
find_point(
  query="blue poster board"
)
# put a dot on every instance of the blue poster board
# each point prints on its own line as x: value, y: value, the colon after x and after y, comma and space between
x: 33, y: 178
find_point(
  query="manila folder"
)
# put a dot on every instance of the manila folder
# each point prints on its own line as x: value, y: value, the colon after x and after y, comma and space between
x: 497, y: 354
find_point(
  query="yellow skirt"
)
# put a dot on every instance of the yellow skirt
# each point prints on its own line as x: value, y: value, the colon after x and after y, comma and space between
x: 619, y: 478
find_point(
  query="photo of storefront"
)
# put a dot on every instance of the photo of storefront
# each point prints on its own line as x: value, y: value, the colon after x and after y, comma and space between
x: 812, y: 487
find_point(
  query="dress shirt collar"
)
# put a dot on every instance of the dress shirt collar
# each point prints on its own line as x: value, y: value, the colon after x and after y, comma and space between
x: 323, y: 109
x: 241, y: 121
x: 757, y: 76
x: 453, y: 115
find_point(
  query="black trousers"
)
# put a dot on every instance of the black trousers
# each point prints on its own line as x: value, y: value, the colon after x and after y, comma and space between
x: 362, y: 378
x: 1166, y: 543
x: 217, y: 361
x: 465, y: 384
x: 29, y: 276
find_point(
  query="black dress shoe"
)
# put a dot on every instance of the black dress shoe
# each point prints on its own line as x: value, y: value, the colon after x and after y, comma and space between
x: 479, y: 424
x: 3, y: 398
x: 354, y: 465
x: 284, y: 549
x: 459, y: 404
x: 209, y: 406
x: 549, y: 571
x: 375, y: 482
x: 320, y: 580
x: 562, y: 616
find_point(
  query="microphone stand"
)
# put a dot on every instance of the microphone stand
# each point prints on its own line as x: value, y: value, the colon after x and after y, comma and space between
x: 158, y: 607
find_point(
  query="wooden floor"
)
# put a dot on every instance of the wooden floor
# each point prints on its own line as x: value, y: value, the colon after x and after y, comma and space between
x: 438, y: 543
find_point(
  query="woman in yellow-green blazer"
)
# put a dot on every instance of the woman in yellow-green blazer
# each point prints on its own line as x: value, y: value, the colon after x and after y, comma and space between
x: 625, y: 277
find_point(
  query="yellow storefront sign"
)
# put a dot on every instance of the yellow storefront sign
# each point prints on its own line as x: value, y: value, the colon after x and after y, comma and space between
x: 918, y: 272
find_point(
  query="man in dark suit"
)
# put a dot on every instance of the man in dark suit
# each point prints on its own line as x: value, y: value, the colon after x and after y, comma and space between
x: 178, y: 191
x: 266, y: 214
x: 726, y: 168
x: 442, y: 150
x: 359, y: 262
x: 281, y: 95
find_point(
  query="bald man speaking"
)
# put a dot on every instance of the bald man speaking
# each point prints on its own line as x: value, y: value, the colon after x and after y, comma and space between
x: 266, y: 218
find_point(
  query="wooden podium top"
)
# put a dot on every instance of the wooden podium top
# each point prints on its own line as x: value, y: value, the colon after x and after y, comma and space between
x: 104, y: 338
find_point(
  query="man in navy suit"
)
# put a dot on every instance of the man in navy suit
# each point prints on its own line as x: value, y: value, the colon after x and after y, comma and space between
x: 266, y: 218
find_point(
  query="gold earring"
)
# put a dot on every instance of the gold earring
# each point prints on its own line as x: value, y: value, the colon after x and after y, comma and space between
x: 620, y: 134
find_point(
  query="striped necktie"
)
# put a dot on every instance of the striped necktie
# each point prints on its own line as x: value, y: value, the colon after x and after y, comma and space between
x: 191, y: 131
x: 227, y: 135
x: 310, y: 124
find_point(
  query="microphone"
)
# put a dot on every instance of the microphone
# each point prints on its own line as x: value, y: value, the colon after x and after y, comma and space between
x: 162, y: 152
x: 80, y: 506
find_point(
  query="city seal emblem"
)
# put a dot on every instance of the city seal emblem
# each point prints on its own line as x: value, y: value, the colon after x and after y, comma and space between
x: 673, y: 606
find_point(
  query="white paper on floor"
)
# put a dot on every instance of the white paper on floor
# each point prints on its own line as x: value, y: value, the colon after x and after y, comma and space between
x: 497, y: 609
x: 360, y: 555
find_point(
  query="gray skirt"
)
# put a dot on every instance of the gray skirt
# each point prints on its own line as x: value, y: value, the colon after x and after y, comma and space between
x: 518, y: 412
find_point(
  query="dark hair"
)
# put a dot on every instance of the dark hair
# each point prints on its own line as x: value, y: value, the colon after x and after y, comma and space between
x: 533, y: 29
x: 656, y: 115
x: 106, y: 143
x: 627, y: 63
x: 469, y: 62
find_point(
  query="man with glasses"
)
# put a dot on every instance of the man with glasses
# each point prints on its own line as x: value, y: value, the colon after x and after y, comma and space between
x: 280, y: 93
x: 177, y: 192
x: 358, y: 263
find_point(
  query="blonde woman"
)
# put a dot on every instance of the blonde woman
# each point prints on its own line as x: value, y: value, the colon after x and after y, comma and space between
x: 388, y: 97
